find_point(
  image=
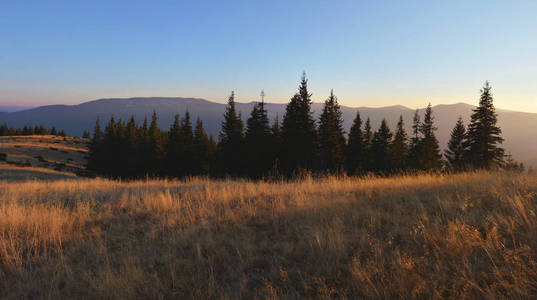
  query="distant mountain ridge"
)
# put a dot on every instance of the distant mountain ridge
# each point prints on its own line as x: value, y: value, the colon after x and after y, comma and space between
x: 518, y: 127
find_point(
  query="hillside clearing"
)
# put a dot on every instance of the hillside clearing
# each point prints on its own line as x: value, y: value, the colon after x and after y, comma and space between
x: 41, y: 157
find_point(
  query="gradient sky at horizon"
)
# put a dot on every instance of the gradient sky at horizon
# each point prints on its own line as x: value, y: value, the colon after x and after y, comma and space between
x: 372, y: 53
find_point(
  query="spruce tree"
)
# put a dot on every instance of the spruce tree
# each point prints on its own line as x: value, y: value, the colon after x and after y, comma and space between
x: 156, y: 146
x: 380, y: 148
x: 457, y: 147
x: 95, y: 149
x: 484, y: 136
x: 132, y: 154
x: 230, y: 146
x: 276, y: 133
x: 399, y: 148
x: 299, y: 147
x: 355, y: 147
x: 414, y: 142
x: 175, y: 149
x: 258, y: 148
x: 202, y: 155
x: 110, y: 148
x: 331, y: 136
x: 368, y: 141
x: 187, y: 136
x: 429, y: 157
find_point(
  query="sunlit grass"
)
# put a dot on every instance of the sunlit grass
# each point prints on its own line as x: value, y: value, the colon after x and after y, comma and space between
x: 444, y: 236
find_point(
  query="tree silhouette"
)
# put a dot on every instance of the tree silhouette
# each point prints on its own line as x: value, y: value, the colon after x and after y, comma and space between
x: 355, y: 151
x: 484, y: 136
x: 230, y: 147
x: 457, y: 147
x: 299, y: 147
x: 429, y: 157
x: 258, y: 140
x: 331, y: 136
x: 156, y: 147
x: 368, y: 162
x: 380, y: 148
x: 399, y: 147
x: 413, y: 152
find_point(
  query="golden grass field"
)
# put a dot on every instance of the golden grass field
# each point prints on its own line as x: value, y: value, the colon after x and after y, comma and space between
x: 459, y: 236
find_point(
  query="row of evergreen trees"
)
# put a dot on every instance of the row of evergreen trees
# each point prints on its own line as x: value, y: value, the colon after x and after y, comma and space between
x: 30, y: 130
x: 298, y: 143
x: 125, y: 149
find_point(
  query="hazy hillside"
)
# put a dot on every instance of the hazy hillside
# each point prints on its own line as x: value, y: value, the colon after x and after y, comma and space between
x: 75, y: 118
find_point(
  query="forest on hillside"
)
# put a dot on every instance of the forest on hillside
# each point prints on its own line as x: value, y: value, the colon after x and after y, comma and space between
x: 261, y: 148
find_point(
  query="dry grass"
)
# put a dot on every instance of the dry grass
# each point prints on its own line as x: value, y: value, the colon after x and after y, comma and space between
x: 460, y: 236
x: 41, y: 152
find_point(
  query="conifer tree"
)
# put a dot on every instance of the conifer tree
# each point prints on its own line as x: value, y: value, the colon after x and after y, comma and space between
x: 368, y: 142
x: 202, y: 150
x: 156, y: 147
x: 457, y: 147
x: 132, y: 167
x: 4, y: 130
x: 95, y: 149
x: 399, y: 147
x: 331, y: 136
x: 131, y: 134
x: 276, y: 133
x: 110, y: 148
x: 175, y: 148
x: 187, y: 136
x: 299, y: 147
x: 414, y: 142
x: 429, y: 157
x: 355, y: 152
x: 380, y: 148
x: 258, y: 149
x: 230, y: 147
x: 484, y: 136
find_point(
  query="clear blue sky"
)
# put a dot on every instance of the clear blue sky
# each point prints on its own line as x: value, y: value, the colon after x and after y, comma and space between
x: 372, y: 53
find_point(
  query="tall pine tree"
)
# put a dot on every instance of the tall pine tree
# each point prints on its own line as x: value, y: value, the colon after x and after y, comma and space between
x: 156, y: 147
x: 380, y: 148
x: 299, y: 147
x: 355, y: 147
x: 429, y: 157
x: 413, y: 151
x: 484, y: 136
x: 457, y: 147
x: 368, y: 162
x: 202, y: 157
x: 258, y: 142
x: 399, y: 147
x: 331, y: 136
x: 230, y: 146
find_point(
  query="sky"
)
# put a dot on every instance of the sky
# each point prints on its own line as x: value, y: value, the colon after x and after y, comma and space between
x: 372, y: 53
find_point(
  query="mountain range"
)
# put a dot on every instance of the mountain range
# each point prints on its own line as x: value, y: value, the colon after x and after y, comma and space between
x: 518, y: 127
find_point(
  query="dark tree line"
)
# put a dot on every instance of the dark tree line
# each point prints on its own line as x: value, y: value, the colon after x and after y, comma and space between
x: 126, y: 149
x: 31, y: 130
x: 300, y: 143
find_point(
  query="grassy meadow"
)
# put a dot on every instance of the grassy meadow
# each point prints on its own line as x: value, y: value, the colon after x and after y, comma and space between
x: 470, y: 235
x: 43, y: 157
